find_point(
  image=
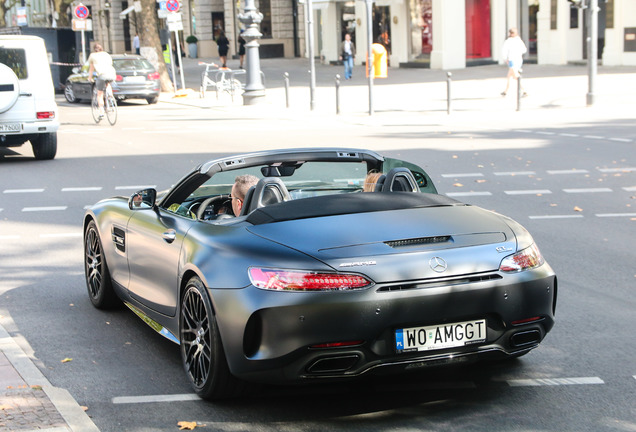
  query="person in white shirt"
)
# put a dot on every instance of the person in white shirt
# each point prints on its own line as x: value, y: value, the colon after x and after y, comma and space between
x: 512, y: 52
x: 101, y: 63
x: 136, y: 44
x: 347, y: 54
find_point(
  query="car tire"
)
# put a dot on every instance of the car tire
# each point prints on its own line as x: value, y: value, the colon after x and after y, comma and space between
x: 201, y: 348
x: 98, y: 281
x: 69, y: 94
x: 152, y: 100
x: 45, y: 146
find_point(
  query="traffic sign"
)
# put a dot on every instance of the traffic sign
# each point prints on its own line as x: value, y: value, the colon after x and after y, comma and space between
x: 172, y: 5
x: 80, y: 11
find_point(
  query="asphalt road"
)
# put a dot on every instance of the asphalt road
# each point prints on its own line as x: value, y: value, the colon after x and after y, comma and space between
x: 571, y: 183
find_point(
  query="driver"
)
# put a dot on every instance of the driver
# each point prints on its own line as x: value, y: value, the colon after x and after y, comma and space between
x: 242, y: 184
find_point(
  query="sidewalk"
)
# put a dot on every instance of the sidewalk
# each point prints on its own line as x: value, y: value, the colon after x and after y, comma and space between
x: 414, y: 94
x: 28, y: 401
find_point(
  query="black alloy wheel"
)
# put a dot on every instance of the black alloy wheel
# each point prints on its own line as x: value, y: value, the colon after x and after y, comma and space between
x: 201, y: 348
x: 98, y: 282
x: 69, y: 94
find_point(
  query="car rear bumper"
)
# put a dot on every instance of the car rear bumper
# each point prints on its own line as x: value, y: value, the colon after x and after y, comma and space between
x: 136, y: 92
x: 274, y: 336
x: 27, y: 130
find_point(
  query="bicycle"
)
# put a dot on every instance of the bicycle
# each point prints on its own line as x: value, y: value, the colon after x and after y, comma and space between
x: 225, y: 81
x: 205, y: 79
x: 110, y: 105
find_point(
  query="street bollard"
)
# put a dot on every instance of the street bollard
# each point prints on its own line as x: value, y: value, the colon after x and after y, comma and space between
x: 337, y: 94
x: 519, y: 92
x: 286, y: 89
x: 448, y: 92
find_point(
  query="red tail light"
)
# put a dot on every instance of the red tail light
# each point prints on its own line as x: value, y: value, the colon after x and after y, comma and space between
x: 153, y: 76
x: 338, y: 344
x: 298, y: 280
x: 119, y: 78
x: 526, y: 321
x: 526, y: 259
x: 45, y: 115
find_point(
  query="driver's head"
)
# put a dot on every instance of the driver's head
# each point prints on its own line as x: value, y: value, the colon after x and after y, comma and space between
x: 242, y: 184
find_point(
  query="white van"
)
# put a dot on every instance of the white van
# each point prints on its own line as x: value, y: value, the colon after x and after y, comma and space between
x: 28, y: 111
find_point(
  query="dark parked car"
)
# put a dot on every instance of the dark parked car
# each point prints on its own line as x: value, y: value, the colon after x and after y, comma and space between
x: 316, y: 279
x: 136, y: 78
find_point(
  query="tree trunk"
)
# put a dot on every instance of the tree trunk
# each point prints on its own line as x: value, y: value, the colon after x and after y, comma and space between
x: 150, y: 42
x: 61, y: 7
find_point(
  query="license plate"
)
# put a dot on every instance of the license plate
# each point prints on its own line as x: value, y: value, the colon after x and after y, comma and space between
x: 135, y: 79
x: 440, y: 336
x: 10, y: 127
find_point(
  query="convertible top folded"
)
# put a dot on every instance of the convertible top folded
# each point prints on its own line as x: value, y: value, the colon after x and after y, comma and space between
x: 349, y: 203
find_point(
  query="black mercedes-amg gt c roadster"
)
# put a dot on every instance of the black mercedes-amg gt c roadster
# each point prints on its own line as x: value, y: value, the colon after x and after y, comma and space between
x: 323, y: 274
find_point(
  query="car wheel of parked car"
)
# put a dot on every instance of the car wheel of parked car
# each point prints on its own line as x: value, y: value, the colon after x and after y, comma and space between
x: 152, y: 100
x: 45, y: 146
x: 202, y: 352
x: 69, y: 94
x: 100, y: 286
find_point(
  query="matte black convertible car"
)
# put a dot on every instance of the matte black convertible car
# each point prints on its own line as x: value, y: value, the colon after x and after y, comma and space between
x: 316, y: 279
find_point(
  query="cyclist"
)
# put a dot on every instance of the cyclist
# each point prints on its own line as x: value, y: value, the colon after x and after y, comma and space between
x: 101, y: 63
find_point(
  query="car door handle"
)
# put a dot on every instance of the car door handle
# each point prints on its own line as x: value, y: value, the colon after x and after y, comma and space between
x: 169, y: 236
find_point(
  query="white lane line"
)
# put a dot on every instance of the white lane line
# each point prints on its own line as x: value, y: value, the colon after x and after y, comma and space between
x: 588, y: 190
x: 630, y: 188
x: 528, y: 192
x: 545, y: 133
x: 465, y: 194
x: 463, y: 175
x: 138, y: 187
x: 595, y: 137
x: 571, y: 171
x: 155, y: 398
x: 625, y: 140
x: 522, y: 130
x: 37, y: 209
x: 555, y: 381
x: 570, y: 135
x: 81, y: 189
x: 514, y: 173
x: 12, y: 191
x: 602, y: 215
x: 556, y: 217
x: 617, y: 170
x: 57, y: 235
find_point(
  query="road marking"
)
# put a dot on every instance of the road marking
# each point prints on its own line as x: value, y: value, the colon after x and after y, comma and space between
x: 625, y: 140
x: 630, y: 188
x: 463, y: 175
x: 554, y: 381
x: 616, y: 215
x: 617, y: 170
x: 81, y: 189
x: 528, y: 192
x: 545, y: 133
x: 155, y: 398
x: 572, y: 171
x: 37, y: 209
x: 514, y: 173
x: 139, y: 187
x: 595, y: 137
x: 465, y: 194
x: 522, y: 130
x: 556, y: 217
x: 76, y: 234
x: 587, y: 190
x: 12, y: 191
x: 570, y: 135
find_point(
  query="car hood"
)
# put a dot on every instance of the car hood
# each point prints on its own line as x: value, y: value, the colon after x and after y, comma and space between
x: 401, y: 244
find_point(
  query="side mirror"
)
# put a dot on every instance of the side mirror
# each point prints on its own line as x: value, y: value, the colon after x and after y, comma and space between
x: 143, y: 199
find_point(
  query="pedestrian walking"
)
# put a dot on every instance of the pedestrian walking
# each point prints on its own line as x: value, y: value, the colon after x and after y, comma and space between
x: 136, y: 43
x: 224, y: 45
x: 512, y: 52
x: 347, y: 54
x: 241, y: 51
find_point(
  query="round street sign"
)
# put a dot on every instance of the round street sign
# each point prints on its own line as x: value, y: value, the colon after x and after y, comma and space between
x: 172, y: 5
x: 80, y: 11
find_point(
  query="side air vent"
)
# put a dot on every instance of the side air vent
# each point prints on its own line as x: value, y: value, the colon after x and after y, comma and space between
x: 418, y: 241
x: 445, y: 282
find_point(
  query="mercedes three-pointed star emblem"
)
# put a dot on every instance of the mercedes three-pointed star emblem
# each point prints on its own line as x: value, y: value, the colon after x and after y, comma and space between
x: 438, y: 264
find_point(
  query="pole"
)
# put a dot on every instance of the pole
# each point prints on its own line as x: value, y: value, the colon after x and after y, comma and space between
x: 592, y: 49
x: 254, y: 87
x: 176, y: 33
x: 337, y: 93
x: 83, y: 47
x: 312, y: 66
x: 369, y: 3
x: 448, y: 92
x: 287, y: 89
x: 174, y: 77
x: 519, y: 92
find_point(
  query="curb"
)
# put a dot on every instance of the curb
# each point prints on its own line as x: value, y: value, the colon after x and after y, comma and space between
x: 74, y: 416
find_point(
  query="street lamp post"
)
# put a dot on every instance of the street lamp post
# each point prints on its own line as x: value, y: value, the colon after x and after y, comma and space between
x: 254, y: 88
x: 369, y: 7
x: 592, y: 48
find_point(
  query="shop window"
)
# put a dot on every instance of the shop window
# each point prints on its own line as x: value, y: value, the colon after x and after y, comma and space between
x: 553, y: 14
x: 265, y: 7
x: 574, y: 16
